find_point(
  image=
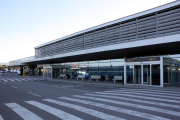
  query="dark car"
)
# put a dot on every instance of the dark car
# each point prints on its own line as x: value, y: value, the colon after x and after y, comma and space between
x: 3, y: 70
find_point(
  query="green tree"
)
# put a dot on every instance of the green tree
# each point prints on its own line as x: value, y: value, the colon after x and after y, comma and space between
x: 32, y: 66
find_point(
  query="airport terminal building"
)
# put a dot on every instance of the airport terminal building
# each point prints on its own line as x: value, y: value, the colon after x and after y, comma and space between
x: 136, y: 47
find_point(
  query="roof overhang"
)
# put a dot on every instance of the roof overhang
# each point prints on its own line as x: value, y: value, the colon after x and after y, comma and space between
x: 155, y: 46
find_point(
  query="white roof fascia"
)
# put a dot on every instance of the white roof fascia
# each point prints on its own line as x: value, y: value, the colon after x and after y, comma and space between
x: 116, y: 21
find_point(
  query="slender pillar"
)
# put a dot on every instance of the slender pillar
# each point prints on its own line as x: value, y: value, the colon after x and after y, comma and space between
x: 161, y: 73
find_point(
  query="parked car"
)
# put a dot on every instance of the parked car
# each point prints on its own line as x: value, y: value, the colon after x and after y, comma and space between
x: 26, y: 70
x: 15, y: 70
x: 3, y: 70
x: 19, y: 71
x: 8, y: 70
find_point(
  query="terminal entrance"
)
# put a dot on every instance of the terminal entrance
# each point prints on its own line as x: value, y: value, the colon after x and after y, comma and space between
x: 143, y: 74
x: 53, y: 71
x: 152, y: 71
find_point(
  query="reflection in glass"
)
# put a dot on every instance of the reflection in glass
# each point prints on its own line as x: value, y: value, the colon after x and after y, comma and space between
x: 82, y: 69
x: 137, y: 74
x: 146, y: 74
x: 74, y: 70
x: 129, y: 74
x: 174, y: 73
x: 155, y: 70
x: 93, y: 69
x: 167, y: 74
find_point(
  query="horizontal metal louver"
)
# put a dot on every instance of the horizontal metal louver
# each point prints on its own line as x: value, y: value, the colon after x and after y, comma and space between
x: 160, y: 23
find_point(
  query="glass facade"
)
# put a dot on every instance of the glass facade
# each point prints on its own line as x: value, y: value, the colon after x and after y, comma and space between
x: 106, y: 68
x: 160, y: 72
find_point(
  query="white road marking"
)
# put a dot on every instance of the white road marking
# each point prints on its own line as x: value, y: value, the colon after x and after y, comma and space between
x: 144, y: 97
x: 147, y: 94
x: 59, y: 113
x: 162, y: 91
x: 1, y: 118
x: 23, y: 79
x: 34, y: 94
x: 117, y: 109
x: 28, y: 79
x: 14, y: 87
x: 140, y: 101
x: 136, y: 106
x: 86, y: 110
x: 141, y: 91
x: 17, y: 79
x: 61, y: 87
x: 4, y: 80
x: 23, y: 112
x: 10, y: 80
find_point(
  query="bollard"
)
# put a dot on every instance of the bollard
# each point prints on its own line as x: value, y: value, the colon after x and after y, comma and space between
x: 24, y: 73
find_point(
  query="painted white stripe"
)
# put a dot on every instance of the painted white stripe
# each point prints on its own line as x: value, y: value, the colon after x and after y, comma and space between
x: 39, y: 79
x: 147, y: 94
x: 59, y: 113
x: 34, y: 94
x: 86, y: 110
x: 162, y: 91
x: 1, y: 118
x: 27, y: 79
x: 14, y: 87
x: 10, y: 80
x: 116, y: 109
x: 23, y: 112
x: 23, y: 79
x: 4, y: 80
x: 140, y: 101
x: 136, y: 106
x: 136, y: 96
x: 17, y: 79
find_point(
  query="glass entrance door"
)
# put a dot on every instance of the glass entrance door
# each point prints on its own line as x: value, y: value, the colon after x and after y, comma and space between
x: 155, y: 73
x: 137, y: 74
x: 146, y: 75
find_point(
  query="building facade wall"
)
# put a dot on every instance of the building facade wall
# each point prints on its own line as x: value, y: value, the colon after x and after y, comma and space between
x: 157, y: 24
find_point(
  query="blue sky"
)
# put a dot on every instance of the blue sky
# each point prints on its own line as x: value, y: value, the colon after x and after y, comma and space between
x: 25, y: 24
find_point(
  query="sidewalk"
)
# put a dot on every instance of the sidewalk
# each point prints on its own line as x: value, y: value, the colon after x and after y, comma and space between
x: 111, y: 84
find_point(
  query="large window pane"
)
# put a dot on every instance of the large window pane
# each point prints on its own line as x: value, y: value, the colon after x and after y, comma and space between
x: 104, y: 69
x: 74, y: 70
x: 146, y: 74
x: 167, y: 74
x: 129, y: 74
x: 174, y: 73
x: 93, y: 68
x: 83, y: 67
x: 155, y: 70
x: 117, y: 68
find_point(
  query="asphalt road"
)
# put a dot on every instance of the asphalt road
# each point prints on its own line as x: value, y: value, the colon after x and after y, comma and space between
x: 33, y: 98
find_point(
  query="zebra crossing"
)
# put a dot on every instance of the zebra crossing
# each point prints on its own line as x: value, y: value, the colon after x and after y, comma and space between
x: 16, y: 79
x: 118, y: 104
